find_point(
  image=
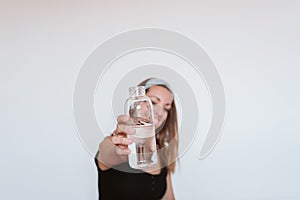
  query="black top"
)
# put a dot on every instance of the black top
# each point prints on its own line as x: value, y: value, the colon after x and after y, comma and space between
x: 123, y: 182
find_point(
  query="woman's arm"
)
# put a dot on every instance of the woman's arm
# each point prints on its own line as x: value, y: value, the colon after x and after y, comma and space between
x: 169, y: 195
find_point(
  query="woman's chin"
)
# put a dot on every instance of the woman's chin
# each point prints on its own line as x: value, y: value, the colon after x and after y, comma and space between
x: 158, y: 127
x: 156, y: 123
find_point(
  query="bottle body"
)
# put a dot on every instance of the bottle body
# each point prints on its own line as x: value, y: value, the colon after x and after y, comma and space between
x: 143, y: 149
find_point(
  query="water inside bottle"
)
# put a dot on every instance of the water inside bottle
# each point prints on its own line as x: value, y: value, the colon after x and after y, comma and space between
x: 143, y: 148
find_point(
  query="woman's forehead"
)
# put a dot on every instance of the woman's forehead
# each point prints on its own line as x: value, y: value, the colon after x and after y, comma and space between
x: 160, y: 92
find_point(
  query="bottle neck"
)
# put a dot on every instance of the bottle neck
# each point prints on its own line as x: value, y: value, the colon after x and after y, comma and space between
x: 137, y: 91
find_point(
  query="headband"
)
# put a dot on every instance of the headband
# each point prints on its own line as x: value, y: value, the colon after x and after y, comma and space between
x: 155, y: 81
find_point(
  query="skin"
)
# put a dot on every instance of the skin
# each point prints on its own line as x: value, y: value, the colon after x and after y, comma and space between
x: 162, y: 100
x: 114, y: 149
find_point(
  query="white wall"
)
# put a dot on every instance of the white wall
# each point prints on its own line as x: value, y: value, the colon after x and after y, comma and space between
x: 254, y: 45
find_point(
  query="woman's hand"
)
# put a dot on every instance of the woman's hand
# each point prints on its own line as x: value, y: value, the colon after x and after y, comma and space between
x: 119, y: 137
x: 113, y: 150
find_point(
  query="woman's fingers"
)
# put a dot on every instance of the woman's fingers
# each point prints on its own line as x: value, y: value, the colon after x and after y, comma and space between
x: 122, y: 119
x: 122, y: 150
x: 117, y: 140
x: 121, y: 144
x: 122, y: 128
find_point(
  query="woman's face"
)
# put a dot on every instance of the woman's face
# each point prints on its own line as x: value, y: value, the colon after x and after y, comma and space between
x: 162, y: 100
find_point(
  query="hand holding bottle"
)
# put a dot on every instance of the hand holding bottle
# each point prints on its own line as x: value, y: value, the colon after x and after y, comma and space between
x: 119, y: 137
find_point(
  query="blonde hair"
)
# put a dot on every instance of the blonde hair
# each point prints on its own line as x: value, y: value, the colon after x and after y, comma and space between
x: 167, y: 138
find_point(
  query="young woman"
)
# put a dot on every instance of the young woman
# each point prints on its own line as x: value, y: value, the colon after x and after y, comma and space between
x: 116, y: 180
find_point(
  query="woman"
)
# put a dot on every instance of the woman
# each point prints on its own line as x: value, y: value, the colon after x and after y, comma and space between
x: 116, y: 180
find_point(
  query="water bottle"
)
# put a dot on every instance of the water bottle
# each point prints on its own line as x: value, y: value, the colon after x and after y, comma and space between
x: 140, y: 110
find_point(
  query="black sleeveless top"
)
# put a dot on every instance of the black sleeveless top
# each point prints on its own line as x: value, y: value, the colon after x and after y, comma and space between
x: 123, y: 182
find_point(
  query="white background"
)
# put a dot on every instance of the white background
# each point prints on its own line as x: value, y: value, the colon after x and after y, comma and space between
x: 255, y: 46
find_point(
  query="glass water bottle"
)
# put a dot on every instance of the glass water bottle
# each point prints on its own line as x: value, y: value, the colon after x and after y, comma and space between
x: 143, y: 149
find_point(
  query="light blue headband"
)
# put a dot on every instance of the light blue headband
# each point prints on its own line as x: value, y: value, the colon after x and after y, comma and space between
x: 155, y: 81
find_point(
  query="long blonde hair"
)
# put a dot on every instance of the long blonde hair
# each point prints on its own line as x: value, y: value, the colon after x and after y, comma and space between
x: 167, y: 138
